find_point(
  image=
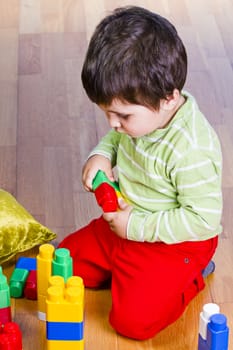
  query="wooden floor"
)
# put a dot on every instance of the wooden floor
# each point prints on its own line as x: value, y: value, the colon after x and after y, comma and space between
x: 47, y: 128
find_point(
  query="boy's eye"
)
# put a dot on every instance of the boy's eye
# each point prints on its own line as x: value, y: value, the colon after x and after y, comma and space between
x: 124, y: 116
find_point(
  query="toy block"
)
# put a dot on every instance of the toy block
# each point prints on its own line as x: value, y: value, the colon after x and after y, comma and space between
x: 100, y: 178
x: 106, y: 192
x: 56, y: 281
x: 30, y: 288
x: 64, y: 315
x: 17, y: 282
x: 213, y: 330
x: 65, y: 345
x: 217, y: 333
x: 75, y: 281
x: 11, y: 337
x: 44, y: 271
x: 207, y: 311
x: 5, y: 302
x: 106, y: 198
x: 62, y: 264
x: 65, y: 305
x: 26, y: 263
x: 5, y: 314
x: 30, y: 285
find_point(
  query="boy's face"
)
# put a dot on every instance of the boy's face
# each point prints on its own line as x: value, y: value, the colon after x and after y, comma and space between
x: 135, y: 120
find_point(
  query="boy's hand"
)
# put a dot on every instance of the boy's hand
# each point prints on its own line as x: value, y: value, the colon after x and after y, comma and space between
x: 92, y: 165
x: 118, y: 220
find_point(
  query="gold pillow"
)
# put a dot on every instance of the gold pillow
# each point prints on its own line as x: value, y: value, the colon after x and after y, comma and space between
x: 19, y: 231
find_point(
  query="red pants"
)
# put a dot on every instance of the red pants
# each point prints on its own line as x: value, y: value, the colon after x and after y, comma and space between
x: 152, y: 283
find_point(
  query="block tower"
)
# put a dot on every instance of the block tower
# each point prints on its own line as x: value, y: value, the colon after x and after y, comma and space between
x: 64, y: 314
x: 51, y: 262
x: 5, y: 301
x: 44, y: 271
x: 213, y: 329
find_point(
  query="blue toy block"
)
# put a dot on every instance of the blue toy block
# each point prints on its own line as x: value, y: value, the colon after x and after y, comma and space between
x: 26, y: 263
x: 202, y: 345
x: 64, y: 330
x: 217, y: 334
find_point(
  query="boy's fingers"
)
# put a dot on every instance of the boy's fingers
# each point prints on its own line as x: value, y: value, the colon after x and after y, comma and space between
x: 108, y: 216
x: 122, y: 204
x: 87, y: 181
x: 109, y: 174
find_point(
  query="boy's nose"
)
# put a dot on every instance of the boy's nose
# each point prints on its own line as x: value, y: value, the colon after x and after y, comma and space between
x: 114, y: 122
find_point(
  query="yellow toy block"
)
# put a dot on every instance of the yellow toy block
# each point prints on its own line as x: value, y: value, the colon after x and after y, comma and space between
x: 65, y: 345
x: 64, y: 314
x: 56, y: 281
x: 44, y: 271
x: 65, y: 305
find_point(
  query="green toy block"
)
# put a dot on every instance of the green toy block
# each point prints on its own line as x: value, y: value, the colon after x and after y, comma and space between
x: 62, y: 264
x: 17, y: 282
x: 101, y: 178
x: 4, y: 292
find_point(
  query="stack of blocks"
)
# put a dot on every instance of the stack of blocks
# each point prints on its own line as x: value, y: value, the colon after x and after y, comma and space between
x: 213, y: 329
x: 64, y: 314
x: 60, y: 299
x: 5, y: 301
x: 48, y: 278
x: 10, y: 334
x: 23, y: 279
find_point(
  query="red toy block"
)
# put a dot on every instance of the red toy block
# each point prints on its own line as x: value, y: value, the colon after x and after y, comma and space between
x: 11, y: 337
x: 106, y: 197
x: 5, y: 314
x: 30, y: 288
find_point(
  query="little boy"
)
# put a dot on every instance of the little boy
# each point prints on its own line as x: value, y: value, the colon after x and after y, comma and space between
x: 168, y: 160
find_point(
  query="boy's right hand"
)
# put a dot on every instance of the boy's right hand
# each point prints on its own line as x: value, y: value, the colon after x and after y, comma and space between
x: 92, y: 165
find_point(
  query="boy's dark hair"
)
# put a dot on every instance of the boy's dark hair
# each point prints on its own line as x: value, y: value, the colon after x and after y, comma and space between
x: 136, y: 56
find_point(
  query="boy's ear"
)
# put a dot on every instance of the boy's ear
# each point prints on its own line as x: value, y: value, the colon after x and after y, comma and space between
x: 171, y: 101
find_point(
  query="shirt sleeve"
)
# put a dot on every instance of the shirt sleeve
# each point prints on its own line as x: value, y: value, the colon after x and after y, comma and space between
x: 108, y: 146
x: 197, y: 215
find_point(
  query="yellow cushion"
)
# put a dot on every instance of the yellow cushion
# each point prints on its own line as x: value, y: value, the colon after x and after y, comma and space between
x: 19, y: 231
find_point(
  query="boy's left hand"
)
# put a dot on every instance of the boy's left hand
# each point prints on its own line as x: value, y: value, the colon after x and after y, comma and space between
x: 118, y: 220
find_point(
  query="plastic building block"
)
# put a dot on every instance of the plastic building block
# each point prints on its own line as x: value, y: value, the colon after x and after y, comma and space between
x: 11, y: 337
x: 44, y: 271
x: 62, y: 264
x: 26, y: 263
x: 207, y: 311
x: 106, y: 198
x: 56, y: 281
x: 5, y: 302
x: 30, y: 288
x: 64, y: 315
x: 217, y: 333
x: 17, y: 282
x: 75, y: 281
x: 100, y: 178
x: 30, y: 285
x: 106, y: 192
x: 213, y: 330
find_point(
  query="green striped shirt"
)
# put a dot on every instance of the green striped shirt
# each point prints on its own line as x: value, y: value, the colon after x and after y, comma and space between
x: 171, y: 177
